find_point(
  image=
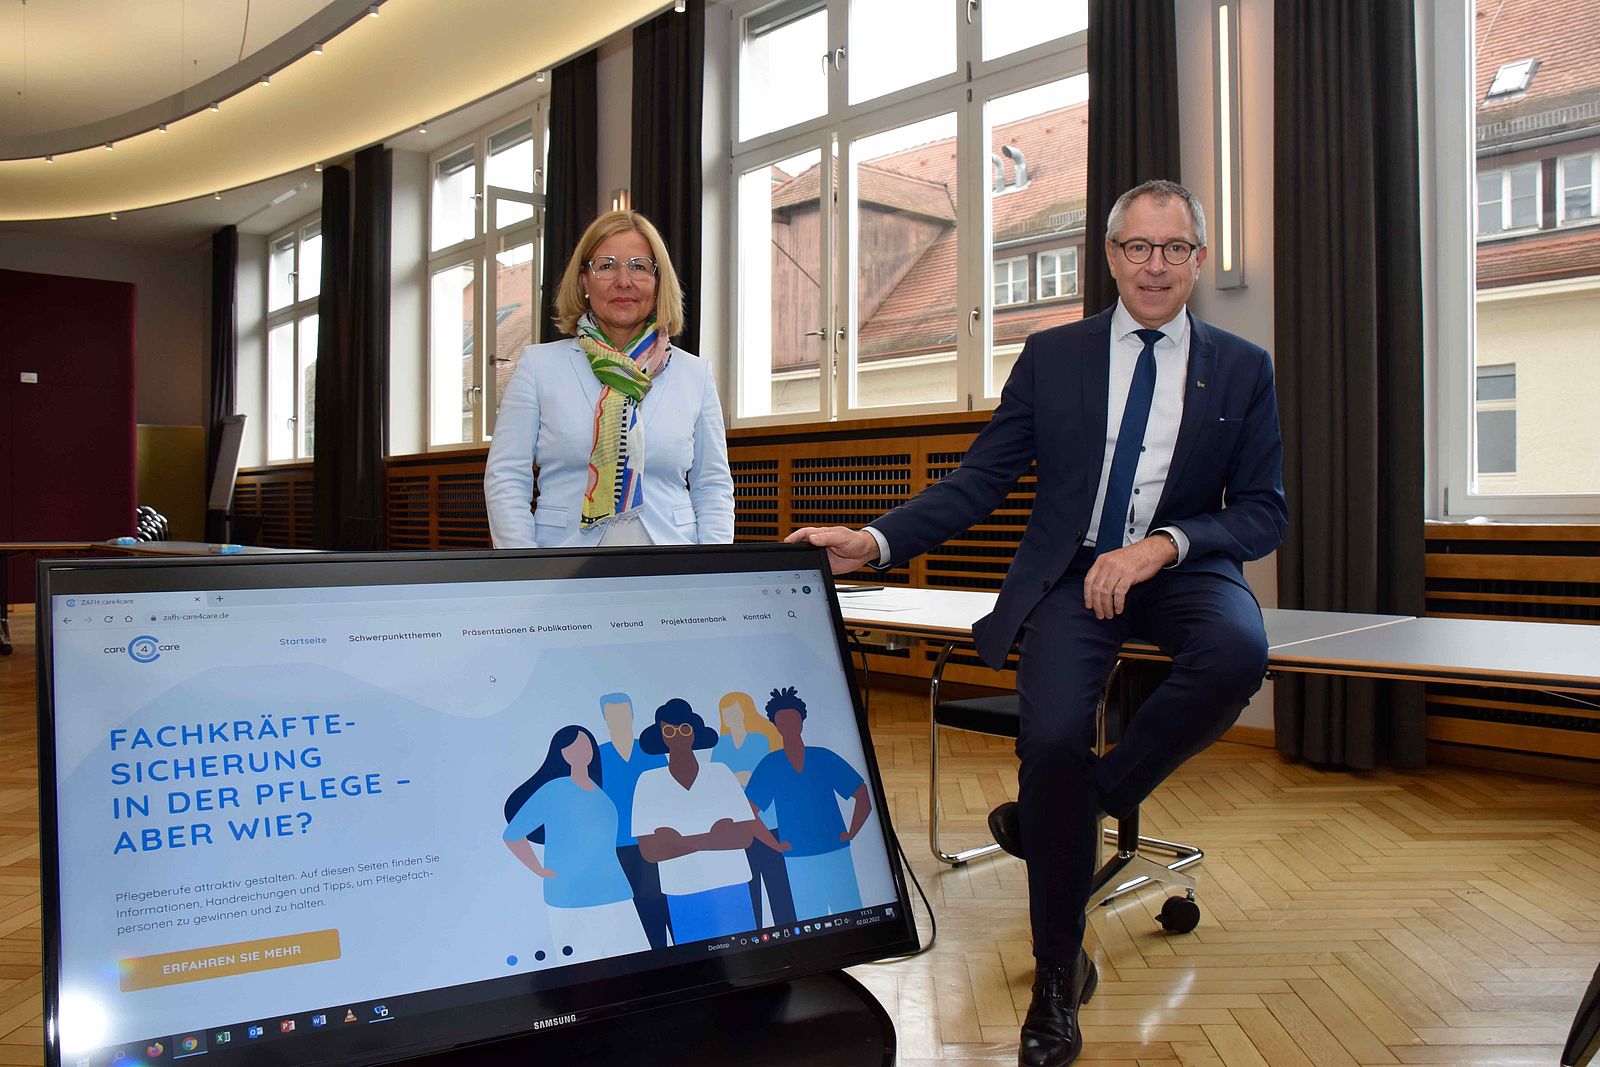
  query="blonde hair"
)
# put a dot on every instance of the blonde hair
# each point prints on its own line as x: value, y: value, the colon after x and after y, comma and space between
x: 754, y: 721
x: 570, y: 304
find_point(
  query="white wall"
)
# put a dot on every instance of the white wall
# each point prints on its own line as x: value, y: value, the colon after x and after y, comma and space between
x: 171, y: 320
x: 408, y: 299
x: 614, y: 160
x: 250, y: 326
x: 1247, y: 312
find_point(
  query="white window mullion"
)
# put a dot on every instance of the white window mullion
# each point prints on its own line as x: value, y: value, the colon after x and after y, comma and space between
x: 975, y: 335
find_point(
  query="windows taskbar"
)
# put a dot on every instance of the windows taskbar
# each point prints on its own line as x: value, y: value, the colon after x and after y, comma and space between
x: 238, y: 1038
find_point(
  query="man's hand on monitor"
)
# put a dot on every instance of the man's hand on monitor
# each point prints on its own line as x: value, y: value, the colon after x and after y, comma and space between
x: 848, y: 550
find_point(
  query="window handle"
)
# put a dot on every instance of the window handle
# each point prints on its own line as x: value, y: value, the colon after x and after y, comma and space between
x: 815, y: 333
x: 972, y: 320
x: 972, y: 10
x: 838, y: 58
x: 499, y: 359
x: 538, y: 176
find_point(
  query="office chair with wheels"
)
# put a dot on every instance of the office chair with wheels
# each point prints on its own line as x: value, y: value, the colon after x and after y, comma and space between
x: 1127, y: 870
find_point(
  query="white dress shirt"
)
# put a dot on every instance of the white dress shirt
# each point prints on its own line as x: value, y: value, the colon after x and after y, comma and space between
x: 1160, y: 434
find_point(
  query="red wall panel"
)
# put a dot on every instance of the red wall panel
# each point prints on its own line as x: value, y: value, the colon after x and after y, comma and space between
x: 67, y: 441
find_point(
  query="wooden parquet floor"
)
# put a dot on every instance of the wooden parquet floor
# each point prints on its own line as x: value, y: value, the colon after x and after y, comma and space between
x: 1447, y: 917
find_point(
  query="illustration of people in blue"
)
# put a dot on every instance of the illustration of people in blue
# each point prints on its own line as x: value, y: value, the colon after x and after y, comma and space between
x: 622, y: 761
x: 804, y: 782
x: 747, y: 737
x: 694, y: 823
x: 565, y: 808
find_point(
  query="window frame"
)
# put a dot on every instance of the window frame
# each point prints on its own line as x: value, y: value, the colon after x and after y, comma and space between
x: 1593, y: 216
x: 1011, y: 282
x: 1449, y: 111
x: 964, y: 91
x: 479, y: 250
x: 1060, y: 252
x: 290, y: 314
x: 1504, y: 175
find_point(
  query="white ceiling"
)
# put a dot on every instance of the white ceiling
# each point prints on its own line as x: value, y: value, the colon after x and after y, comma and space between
x: 267, y: 206
x: 422, y: 59
x: 68, y: 64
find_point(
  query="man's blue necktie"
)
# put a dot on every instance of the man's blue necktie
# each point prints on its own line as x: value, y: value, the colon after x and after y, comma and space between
x: 1130, y: 442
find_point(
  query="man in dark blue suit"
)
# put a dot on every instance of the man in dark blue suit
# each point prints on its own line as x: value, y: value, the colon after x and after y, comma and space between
x: 1159, y: 473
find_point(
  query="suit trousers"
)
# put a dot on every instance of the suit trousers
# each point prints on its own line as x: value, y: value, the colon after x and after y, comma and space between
x: 1212, y: 630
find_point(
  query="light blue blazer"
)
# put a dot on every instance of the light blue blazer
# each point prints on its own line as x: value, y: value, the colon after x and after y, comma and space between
x: 547, y: 417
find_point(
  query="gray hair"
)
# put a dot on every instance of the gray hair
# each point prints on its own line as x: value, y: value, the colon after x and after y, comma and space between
x: 1162, y: 190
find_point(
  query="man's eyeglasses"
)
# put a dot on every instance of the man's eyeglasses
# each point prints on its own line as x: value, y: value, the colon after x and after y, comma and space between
x: 1138, y: 250
x: 638, y: 268
x: 669, y: 729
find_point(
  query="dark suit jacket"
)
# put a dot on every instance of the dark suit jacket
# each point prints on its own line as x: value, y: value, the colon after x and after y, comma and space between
x: 1224, y: 489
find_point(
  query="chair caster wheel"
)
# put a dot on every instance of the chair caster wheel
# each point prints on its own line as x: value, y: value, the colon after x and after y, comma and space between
x: 1179, y: 915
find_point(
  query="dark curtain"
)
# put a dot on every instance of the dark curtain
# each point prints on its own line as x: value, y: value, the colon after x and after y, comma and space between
x: 224, y: 361
x: 1348, y: 279
x: 571, y: 199
x: 668, y: 69
x: 1133, y: 137
x: 364, y: 388
x: 333, y: 339
x: 1133, y: 120
x: 352, y: 355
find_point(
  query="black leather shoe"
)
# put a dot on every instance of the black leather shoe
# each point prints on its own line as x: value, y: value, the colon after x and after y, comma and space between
x: 1050, y: 1034
x: 1005, y: 823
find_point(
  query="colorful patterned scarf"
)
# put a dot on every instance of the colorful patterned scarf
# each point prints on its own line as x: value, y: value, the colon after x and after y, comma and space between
x: 616, y: 460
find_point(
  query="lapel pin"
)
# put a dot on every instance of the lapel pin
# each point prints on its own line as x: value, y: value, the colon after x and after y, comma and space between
x: 1199, y: 385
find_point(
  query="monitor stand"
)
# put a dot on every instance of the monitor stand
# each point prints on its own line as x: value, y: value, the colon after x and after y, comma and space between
x: 825, y: 1019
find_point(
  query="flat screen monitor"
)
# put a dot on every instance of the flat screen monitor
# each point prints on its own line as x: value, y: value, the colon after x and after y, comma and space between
x: 321, y: 808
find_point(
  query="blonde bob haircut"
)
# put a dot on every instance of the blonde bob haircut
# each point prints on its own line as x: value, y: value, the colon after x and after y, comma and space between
x: 570, y: 304
x: 743, y: 706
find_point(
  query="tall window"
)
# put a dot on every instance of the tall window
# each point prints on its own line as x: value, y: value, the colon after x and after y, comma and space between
x: 1518, y: 260
x: 486, y: 214
x: 294, y: 281
x: 1496, y: 419
x: 889, y: 207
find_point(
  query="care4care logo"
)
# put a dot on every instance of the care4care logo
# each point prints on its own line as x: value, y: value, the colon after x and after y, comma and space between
x: 146, y: 649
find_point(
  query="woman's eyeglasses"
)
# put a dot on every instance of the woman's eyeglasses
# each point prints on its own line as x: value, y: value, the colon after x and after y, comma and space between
x: 681, y: 730
x: 638, y: 268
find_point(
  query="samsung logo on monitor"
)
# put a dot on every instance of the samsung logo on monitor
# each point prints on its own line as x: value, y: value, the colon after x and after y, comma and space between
x: 559, y: 1020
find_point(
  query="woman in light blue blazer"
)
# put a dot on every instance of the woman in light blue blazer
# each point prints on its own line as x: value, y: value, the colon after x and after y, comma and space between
x: 625, y: 429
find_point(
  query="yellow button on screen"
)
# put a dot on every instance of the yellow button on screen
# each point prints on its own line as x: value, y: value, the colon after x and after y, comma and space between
x: 220, y: 961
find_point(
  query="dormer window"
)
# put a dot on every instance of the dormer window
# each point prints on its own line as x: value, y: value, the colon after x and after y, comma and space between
x: 1512, y: 78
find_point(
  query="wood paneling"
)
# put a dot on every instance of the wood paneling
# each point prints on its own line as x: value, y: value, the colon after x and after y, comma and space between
x: 281, y: 499
x: 1532, y: 572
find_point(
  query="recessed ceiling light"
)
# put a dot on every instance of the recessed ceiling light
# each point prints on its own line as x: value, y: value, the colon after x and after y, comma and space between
x: 49, y: 159
x: 216, y: 196
x: 317, y: 167
x: 372, y: 12
x: 109, y: 146
x: 216, y: 105
x: 316, y: 49
x: 113, y: 216
x: 161, y: 127
x: 266, y: 79
x: 539, y: 77
x: 680, y: 6
x: 422, y: 128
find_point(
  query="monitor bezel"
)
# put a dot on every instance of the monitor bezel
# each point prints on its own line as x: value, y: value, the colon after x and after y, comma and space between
x: 584, y: 1003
